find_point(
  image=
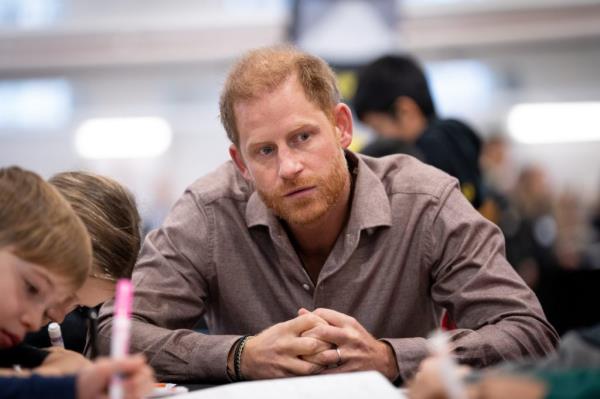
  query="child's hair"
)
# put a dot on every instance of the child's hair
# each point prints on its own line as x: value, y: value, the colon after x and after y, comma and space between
x: 39, y: 226
x: 109, y: 212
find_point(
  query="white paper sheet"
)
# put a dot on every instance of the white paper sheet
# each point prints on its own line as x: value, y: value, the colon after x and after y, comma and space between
x: 361, y: 385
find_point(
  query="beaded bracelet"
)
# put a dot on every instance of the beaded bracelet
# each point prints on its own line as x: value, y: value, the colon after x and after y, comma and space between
x: 231, y: 369
x: 237, y: 358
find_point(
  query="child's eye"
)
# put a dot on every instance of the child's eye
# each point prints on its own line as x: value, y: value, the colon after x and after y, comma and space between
x: 31, y: 289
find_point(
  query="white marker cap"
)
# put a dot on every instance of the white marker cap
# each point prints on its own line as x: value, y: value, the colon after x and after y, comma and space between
x: 55, y: 335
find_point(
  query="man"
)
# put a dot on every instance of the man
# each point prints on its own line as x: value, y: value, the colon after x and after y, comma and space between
x: 332, y: 262
x: 393, y: 98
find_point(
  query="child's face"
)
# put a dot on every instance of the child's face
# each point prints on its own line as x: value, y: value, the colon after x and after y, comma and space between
x: 28, y: 291
x: 93, y: 292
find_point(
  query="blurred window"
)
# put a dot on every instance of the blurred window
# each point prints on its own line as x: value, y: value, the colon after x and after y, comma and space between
x: 37, y: 104
x: 125, y: 138
x: 29, y: 13
x: 461, y: 88
x: 540, y: 123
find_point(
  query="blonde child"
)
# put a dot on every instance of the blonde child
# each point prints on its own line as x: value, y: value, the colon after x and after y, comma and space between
x: 45, y: 257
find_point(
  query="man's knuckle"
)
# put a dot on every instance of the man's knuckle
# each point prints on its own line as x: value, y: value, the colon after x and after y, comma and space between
x: 308, y: 368
x: 278, y: 348
x: 312, y: 345
x: 353, y: 335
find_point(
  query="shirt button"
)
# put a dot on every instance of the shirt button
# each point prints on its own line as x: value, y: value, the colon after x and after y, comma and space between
x: 306, y: 287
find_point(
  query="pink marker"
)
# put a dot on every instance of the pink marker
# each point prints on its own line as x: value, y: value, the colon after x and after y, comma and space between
x: 119, y: 344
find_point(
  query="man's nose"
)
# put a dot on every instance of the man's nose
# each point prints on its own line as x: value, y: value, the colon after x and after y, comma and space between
x: 289, y: 165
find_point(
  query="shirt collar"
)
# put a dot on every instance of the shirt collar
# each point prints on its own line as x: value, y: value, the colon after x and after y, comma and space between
x: 370, y: 204
x: 257, y: 213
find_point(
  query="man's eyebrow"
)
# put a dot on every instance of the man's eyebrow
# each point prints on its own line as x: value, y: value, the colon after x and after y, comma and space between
x: 296, y: 130
x: 252, y: 145
x: 304, y: 126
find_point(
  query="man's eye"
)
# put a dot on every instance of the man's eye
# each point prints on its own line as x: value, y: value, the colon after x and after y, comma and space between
x: 303, y: 136
x: 265, y: 150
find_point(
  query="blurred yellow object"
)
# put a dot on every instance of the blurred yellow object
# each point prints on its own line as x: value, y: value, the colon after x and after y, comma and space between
x: 468, y: 190
x: 347, y: 82
x: 357, y: 143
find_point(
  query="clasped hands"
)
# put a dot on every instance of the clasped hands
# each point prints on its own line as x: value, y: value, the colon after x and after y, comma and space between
x: 319, y: 342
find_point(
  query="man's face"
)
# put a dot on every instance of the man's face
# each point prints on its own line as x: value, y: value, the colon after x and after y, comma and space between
x: 292, y: 152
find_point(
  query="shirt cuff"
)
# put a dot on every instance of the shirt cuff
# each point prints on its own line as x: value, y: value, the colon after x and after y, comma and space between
x: 409, y: 354
x: 213, y: 360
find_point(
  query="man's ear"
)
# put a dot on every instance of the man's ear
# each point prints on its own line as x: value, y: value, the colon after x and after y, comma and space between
x: 343, y: 124
x: 236, y: 157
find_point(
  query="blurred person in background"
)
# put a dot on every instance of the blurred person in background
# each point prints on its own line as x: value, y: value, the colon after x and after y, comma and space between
x: 394, y: 99
x: 529, y: 225
x: 497, y: 166
x: 594, y: 248
x: 498, y: 174
x: 574, y: 233
x: 548, y: 241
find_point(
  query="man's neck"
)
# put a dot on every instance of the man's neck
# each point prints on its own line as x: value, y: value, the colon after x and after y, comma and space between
x: 314, y: 242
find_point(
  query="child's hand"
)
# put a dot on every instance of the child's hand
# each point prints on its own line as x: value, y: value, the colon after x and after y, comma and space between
x: 93, y: 381
x: 428, y: 382
x: 62, y: 361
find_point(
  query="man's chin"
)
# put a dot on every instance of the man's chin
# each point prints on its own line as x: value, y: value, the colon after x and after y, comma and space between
x: 304, y: 217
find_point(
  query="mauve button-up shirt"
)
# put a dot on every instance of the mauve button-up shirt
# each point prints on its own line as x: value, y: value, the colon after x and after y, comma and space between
x: 412, y: 246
